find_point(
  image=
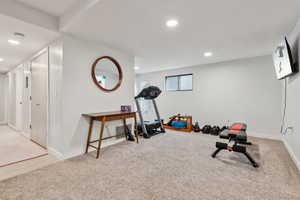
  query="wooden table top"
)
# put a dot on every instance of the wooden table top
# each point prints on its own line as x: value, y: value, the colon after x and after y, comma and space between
x: 102, y: 114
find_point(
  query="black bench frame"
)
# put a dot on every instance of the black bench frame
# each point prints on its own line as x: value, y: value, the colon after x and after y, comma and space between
x: 235, y: 145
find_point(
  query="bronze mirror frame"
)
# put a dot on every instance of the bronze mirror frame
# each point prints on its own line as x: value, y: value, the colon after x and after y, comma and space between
x: 114, y: 61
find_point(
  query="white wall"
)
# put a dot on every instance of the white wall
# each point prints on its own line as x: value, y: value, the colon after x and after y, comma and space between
x: 55, y: 136
x: 242, y: 90
x: 292, y: 137
x: 80, y: 95
x: 3, y: 96
x: 11, y: 112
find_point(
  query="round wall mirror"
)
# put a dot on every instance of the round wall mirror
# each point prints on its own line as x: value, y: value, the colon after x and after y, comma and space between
x: 107, y: 73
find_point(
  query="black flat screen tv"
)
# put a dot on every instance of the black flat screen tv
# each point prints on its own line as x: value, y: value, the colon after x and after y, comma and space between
x: 283, y: 60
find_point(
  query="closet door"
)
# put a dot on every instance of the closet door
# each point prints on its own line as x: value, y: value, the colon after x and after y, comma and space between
x: 39, y: 94
x: 19, y: 98
x: 26, y: 99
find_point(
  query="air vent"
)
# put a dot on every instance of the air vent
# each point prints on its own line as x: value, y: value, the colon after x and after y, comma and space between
x: 120, y: 131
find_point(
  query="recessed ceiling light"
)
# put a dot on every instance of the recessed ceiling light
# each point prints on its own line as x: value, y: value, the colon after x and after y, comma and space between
x: 172, y: 23
x: 1, y: 59
x: 208, y: 54
x: 13, y: 42
x: 136, y: 68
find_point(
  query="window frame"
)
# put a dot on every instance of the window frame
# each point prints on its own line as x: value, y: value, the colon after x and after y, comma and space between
x: 178, y: 82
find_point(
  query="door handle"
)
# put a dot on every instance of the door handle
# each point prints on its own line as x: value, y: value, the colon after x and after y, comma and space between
x: 37, y: 104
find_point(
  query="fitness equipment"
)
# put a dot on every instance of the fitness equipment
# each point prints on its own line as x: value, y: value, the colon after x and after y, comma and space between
x: 215, y: 130
x: 236, y: 134
x: 196, y: 127
x: 128, y: 134
x: 206, y: 129
x: 180, y: 123
x: 223, y: 128
x: 149, y: 129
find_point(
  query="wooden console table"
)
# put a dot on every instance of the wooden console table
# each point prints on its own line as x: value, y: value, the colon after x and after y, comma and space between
x: 103, y: 118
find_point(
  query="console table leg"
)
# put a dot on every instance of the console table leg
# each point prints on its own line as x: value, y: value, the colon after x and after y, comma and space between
x: 125, y: 128
x: 101, y: 136
x: 89, y: 135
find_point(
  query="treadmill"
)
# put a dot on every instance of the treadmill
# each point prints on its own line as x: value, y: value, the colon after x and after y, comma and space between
x: 148, y: 129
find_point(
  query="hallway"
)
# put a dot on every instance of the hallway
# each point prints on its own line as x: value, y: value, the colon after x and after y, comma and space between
x: 15, y: 147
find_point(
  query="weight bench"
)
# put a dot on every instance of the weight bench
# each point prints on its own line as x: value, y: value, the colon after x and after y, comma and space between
x: 236, y: 134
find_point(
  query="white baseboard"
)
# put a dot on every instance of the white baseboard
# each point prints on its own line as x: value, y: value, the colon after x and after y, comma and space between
x: 13, y: 127
x: 292, y: 154
x: 274, y: 136
x: 27, y: 135
x: 55, y: 153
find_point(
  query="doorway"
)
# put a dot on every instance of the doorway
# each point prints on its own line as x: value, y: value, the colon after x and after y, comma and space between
x: 24, y: 132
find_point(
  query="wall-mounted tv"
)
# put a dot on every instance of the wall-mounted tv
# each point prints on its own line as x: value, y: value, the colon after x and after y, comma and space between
x: 283, y: 60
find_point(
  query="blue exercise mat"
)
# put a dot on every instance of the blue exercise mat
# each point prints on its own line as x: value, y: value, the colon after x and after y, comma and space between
x: 177, y: 124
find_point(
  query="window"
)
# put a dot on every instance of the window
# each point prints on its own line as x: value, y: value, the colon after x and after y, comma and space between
x: 179, y: 82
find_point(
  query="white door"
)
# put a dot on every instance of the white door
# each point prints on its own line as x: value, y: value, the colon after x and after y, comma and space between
x: 19, y: 98
x: 39, y: 95
x: 26, y: 99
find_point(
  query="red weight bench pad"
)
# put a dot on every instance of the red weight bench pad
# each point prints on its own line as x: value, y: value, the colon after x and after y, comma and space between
x: 234, y: 134
x: 238, y: 126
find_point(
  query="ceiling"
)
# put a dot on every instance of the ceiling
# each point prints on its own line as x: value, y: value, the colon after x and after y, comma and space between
x: 52, y: 7
x: 35, y: 39
x: 231, y: 29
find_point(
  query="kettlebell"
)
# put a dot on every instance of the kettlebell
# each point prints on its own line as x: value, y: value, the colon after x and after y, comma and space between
x: 215, y: 130
x: 206, y: 129
x: 196, y: 127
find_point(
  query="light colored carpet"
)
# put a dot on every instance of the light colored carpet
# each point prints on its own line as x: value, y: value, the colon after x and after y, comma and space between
x: 15, y: 147
x: 172, y: 166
